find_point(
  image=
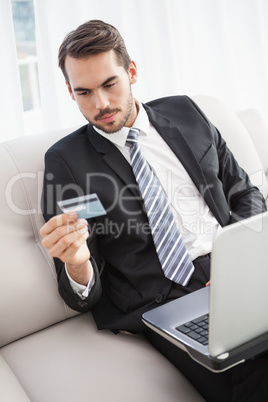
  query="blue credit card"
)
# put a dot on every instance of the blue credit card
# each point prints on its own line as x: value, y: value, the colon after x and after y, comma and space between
x: 87, y: 206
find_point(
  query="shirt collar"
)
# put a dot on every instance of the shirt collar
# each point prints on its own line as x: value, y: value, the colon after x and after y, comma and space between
x: 119, y: 138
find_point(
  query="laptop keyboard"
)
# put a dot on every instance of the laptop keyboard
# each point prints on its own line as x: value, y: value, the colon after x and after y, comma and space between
x: 197, y: 329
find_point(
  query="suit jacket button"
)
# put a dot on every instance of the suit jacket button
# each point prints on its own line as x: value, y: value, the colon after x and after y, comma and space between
x: 82, y: 304
x: 158, y: 298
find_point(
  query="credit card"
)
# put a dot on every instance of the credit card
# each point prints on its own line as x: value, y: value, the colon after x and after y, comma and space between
x: 87, y: 206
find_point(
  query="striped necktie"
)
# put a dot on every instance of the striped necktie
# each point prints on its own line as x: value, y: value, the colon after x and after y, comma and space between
x: 171, y: 250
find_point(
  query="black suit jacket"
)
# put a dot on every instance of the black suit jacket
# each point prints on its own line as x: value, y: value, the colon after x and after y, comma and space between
x: 84, y: 162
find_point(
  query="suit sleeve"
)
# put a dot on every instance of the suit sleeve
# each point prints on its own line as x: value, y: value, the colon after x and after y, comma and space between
x: 73, y: 300
x: 60, y: 184
x: 244, y: 199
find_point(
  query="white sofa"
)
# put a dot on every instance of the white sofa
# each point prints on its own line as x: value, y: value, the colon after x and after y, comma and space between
x: 49, y: 353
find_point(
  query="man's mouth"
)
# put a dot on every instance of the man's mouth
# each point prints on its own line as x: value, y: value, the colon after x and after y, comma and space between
x: 108, y: 118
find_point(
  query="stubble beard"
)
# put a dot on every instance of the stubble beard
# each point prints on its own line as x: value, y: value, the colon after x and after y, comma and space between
x: 111, y: 128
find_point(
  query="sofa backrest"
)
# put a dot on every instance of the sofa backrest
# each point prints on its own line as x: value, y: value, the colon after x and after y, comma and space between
x: 238, y: 138
x: 258, y: 131
x: 29, y: 299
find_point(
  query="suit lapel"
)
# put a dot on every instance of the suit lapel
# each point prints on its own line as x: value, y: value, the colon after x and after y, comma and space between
x: 177, y: 142
x: 179, y: 145
x: 113, y: 158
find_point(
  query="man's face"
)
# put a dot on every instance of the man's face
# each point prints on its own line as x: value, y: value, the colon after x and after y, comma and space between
x: 102, y: 90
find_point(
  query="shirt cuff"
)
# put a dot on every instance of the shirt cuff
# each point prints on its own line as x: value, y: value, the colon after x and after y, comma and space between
x: 82, y: 290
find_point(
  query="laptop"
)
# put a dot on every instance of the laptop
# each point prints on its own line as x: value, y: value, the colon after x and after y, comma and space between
x: 226, y: 323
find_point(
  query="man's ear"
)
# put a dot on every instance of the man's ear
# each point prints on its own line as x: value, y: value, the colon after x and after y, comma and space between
x: 133, y: 72
x: 70, y: 90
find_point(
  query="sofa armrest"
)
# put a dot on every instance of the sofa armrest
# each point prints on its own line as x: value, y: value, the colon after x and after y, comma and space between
x: 10, y: 389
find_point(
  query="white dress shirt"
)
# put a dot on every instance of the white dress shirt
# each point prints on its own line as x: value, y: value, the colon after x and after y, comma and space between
x: 195, y: 221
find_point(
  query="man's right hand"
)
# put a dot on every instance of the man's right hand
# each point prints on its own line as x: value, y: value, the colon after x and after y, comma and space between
x: 65, y: 238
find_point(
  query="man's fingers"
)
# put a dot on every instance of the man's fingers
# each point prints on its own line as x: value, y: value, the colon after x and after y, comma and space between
x: 58, y: 221
x: 63, y: 242
x: 65, y: 238
x: 73, y: 252
x: 63, y: 235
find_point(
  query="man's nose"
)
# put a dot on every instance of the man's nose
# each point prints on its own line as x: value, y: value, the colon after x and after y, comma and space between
x: 102, y: 100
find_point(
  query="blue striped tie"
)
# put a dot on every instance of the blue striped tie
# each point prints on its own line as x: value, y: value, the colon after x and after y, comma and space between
x: 172, y: 253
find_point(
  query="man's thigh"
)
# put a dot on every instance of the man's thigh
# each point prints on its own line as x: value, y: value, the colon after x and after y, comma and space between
x: 250, y: 380
x: 213, y: 387
x: 246, y: 382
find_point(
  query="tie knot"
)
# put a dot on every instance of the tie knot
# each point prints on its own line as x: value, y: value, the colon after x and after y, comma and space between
x: 133, y: 135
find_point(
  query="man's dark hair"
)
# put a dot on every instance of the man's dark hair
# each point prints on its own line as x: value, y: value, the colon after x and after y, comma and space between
x: 91, y: 38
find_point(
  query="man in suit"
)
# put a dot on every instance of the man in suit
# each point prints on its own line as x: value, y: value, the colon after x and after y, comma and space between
x: 203, y: 182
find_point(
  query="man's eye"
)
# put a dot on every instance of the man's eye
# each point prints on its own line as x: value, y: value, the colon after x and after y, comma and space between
x: 83, y: 93
x: 110, y: 85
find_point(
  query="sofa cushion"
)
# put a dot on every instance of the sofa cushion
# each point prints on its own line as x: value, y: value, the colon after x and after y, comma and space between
x: 73, y: 361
